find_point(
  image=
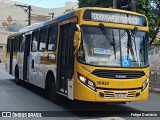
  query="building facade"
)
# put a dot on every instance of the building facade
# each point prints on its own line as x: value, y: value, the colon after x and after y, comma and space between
x: 13, y: 18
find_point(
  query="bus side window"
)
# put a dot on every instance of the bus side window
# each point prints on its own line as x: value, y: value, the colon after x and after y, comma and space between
x: 19, y: 44
x: 22, y: 44
x: 34, y: 41
x: 52, y: 37
x: 8, y: 45
x: 16, y: 44
x: 43, y: 36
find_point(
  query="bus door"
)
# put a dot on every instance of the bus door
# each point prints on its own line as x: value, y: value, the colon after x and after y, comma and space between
x: 65, y: 67
x: 26, y: 56
x: 11, y: 55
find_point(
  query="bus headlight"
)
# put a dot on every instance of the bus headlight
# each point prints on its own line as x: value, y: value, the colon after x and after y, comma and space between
x: 87, y: 82
x: 82, y: 78
x: 145, y: 84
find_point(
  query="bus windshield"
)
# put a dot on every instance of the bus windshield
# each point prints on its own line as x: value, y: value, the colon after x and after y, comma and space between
x: 113, y: 47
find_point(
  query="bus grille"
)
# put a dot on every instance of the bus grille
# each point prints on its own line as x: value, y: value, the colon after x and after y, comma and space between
x: 108, y: 94
x: 118, y: 74
x: 111, y: 94
x: 131, y: 94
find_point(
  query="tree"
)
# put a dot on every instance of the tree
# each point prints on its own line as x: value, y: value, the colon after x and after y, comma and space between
x: 151, y: 9
x: 124, y: 4
x: 104, y: 3
x: 95, y: 3
x: 87, y: 3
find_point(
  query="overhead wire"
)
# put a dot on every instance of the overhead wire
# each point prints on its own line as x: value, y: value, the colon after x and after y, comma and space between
x: 69, y: 9
x: 36, y: 2
x: 60, y: 14
x: 22, y: 1
x: 105, y: 4
x: 38, y: 10
x: 29, y: 1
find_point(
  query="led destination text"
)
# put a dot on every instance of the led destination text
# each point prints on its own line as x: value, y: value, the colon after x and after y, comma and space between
x: 114, y: 17
x: 121, y: 18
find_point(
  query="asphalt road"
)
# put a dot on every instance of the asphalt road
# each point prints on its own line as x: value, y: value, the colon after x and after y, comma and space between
x: 27, y: 97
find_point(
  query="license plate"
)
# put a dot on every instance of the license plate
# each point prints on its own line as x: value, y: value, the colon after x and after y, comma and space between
x: 120, y: 95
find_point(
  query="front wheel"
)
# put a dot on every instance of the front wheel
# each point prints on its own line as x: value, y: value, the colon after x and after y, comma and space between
x: 52, y: 91
x: 55, y: 98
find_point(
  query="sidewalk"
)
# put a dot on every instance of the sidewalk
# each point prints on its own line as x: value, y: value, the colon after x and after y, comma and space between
x: 155, y: 84
x: 2, y: 66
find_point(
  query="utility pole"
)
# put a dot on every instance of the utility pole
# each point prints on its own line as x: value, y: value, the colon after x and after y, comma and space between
x: 28, y: 10
x: 51, y: 14
x: 29, y: 15
x: 134, y: 5
x: 115, y: 4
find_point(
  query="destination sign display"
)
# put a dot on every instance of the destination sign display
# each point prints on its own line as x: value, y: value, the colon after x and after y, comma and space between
x: 114, y: 17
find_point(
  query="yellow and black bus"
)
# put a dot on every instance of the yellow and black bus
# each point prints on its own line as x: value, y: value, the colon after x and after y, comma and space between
x: 90, y: 54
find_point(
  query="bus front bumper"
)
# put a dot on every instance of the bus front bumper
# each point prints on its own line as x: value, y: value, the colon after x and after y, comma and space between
x: 102, y: 95
x: 121, y: 95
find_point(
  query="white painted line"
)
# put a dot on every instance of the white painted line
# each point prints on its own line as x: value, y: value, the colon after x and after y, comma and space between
x: 106, y: 118
x: 112, y: 118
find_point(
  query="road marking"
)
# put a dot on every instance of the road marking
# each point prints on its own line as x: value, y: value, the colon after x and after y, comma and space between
x: 106, y: 118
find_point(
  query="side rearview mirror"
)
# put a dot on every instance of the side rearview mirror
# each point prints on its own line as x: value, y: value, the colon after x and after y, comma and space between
x: 77, y: 39
x: 51, y: 57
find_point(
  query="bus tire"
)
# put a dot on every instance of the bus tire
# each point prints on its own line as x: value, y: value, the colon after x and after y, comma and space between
x: 17, y: 80
x: 54, y: 97
x: 53, y: 92
x: 51, y: 88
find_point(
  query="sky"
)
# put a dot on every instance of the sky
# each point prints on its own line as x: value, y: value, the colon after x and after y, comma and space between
x: 46, y: 3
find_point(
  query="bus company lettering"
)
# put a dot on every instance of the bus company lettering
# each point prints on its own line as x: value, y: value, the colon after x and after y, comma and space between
x: 98, y: 59
x: 144, y: 114
x: 102, y: 83
x: 27, y: 114
x: 116, y: 18
x: 121, y: 76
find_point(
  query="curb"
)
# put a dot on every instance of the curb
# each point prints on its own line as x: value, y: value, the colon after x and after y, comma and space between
x: 157, y: 90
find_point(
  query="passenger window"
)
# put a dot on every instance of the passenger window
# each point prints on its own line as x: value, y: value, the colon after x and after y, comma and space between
x: 16, y: 44
x: 20, y: 41
x: 35, y: 41
x: 43, y: 36
x: 52, y: 37
x: 22, y: 44
x: 8, y: 45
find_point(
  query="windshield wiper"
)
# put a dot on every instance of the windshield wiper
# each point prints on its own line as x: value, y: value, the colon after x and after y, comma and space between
x: 114, y: 45
x: 104, y: 31
x: 129, y: 40
x: 134, y: 35
x: 128, y: 43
